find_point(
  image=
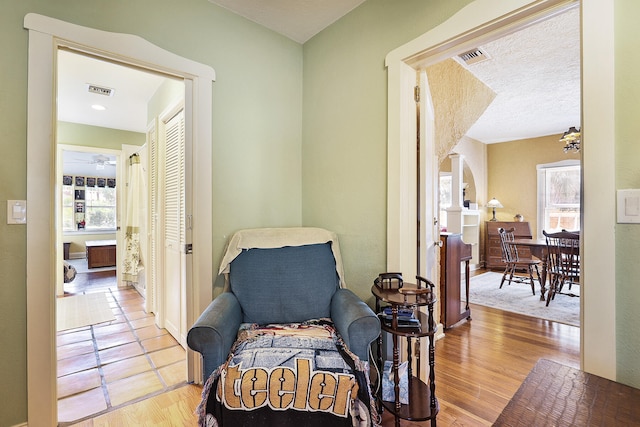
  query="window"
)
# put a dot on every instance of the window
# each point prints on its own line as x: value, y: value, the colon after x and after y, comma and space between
x: 559, y: 196
x: 68, y: 224
x: 98, y: 209
x: 445, y: 198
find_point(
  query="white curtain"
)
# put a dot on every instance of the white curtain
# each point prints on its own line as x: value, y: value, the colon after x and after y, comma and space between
x: 134, y: 221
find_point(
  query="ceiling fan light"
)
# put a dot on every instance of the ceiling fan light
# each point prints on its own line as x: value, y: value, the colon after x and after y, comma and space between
x: 571, y: 135
x: 571, y: 139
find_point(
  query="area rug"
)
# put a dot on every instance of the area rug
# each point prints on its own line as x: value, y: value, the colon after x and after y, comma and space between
x: 83, y: 310
x: 517, y: 298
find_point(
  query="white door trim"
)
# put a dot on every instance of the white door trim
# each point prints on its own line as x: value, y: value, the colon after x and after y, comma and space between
x: 486, y: 19
x: 45, y: 36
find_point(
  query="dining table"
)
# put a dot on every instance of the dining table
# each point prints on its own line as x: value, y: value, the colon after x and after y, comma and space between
x: 538, y: 248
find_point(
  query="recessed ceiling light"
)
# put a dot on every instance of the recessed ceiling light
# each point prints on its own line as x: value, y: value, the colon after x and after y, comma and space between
x: 98, y: 107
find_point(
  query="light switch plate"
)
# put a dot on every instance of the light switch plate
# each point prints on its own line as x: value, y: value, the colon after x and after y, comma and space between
x: 16, y: 211
x: 628, y: 206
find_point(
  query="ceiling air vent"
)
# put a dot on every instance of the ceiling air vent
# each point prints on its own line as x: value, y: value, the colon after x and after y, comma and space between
x: 474, y: 56
x: 106, y: 91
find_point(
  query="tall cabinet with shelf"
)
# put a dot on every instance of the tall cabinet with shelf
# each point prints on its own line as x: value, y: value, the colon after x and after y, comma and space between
x: 471, y: 233
x: 466, y: 222
x: 460, y: 219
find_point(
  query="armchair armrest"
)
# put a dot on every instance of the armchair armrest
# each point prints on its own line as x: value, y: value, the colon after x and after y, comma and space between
x: 215, y: 331
x: 355, y: 321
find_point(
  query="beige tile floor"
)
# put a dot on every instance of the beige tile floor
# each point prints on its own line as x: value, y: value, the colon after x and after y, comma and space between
x: 112, y: 364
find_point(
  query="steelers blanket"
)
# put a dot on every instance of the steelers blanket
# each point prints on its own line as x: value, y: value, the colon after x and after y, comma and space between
x: 294, y: 374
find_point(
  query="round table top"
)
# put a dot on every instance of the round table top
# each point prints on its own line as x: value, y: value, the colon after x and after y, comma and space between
x: 407, y: 295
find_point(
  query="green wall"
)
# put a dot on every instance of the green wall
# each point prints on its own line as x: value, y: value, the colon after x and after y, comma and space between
x: 98, y: 137
x: 257, y: 122
x: 344, y: 149
x: 627, y: 93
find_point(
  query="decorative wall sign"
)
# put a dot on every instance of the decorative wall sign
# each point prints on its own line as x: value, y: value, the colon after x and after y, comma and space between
x: 91, y: 181
x: 80, y: 181
x: 79, y: 194
x: 79, y: 207
x: 111, y: 182
x: 101, y: 182
x: 67, y: 180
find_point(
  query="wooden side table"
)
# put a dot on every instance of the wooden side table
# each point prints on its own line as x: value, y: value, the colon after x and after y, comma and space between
x: 422, y: 403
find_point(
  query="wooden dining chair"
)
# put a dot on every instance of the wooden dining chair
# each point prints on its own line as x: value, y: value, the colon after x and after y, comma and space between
x: 514, y: 264
x: 563, y: 262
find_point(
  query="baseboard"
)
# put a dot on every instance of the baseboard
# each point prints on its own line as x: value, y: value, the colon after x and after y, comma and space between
x: 439, y: 331
x: 77, y: 255
x: 21, y: 425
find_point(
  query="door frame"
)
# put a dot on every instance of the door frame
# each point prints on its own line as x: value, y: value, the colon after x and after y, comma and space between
x: 484, y: 20
x: 46, y: 35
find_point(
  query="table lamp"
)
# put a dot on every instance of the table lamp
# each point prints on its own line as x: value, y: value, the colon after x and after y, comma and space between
x: 493, y: 203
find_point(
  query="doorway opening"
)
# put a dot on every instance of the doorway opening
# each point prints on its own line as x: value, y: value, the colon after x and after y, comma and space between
x: 509, y: 128
x: 105, y: 223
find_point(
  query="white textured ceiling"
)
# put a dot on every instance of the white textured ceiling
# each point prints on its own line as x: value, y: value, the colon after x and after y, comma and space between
x: 297, y: 19
x: 536, y: 76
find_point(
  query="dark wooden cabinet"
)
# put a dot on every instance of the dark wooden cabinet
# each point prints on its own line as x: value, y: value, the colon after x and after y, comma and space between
x: 101, y: 253
x: 493, y: 253
x: 454, y: 254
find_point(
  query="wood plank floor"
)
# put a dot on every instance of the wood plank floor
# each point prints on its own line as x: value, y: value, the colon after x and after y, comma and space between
x: 479, y: 366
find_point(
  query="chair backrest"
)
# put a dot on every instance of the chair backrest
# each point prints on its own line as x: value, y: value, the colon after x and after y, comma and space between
x: 563, y: 250
x: 284, y: 285
x: 509, y: 252
x: 389, y: 281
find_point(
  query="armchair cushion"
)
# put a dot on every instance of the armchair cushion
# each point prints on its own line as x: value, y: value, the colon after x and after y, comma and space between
x: 284, y: 285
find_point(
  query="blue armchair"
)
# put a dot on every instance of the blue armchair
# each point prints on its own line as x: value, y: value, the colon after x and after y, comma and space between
x: 281, y: 276
x: 285, y: 343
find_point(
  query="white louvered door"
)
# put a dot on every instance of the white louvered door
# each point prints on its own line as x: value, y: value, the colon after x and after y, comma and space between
x: 174, y: 227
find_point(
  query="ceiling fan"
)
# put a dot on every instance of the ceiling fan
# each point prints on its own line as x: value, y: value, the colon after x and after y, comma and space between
x: 100, y: 160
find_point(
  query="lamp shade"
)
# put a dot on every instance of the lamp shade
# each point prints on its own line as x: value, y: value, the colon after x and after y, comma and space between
x: 494, y: 203
x: 571, y: 135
